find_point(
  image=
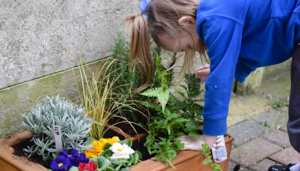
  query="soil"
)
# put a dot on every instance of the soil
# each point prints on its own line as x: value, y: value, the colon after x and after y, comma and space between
x: 110, y: 134
x: 18, y: 150
x: 137, y: 146
x: 132, y: 129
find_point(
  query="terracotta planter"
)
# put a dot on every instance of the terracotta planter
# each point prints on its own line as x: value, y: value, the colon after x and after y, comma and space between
x: 10, y: 162
x: 186, y: 160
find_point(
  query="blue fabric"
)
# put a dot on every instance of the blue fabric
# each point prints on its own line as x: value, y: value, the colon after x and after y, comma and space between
x: 143, y: 6
x: 242, y: 35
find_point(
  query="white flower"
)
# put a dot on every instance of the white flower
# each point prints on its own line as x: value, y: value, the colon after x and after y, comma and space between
x: 121, y: 151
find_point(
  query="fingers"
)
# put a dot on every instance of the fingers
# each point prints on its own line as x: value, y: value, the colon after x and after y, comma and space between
x: 210, y: 140
x: 203, y: 72
x: 191, y: 143
x: 206, y: 66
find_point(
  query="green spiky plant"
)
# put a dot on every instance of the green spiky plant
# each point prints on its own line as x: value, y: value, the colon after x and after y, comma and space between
x: 96, y: 92
x: 72, y: 119
x: 107, y: 91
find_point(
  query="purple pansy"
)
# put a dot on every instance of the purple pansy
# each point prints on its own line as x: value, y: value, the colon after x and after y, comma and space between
x: 81, y: 159
x: 72, y: 155
x: 61, y: 163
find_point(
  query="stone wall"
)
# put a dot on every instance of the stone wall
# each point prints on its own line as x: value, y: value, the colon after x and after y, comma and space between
x: 36, y: 41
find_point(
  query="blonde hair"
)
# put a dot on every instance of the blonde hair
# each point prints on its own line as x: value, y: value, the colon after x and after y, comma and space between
x: 163, y: 16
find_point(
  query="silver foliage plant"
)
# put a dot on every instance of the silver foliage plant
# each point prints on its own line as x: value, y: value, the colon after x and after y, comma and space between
x: 74, y: 124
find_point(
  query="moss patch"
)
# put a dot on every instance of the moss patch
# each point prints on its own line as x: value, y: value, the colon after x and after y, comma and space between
x: 245, y: 107
x: 19, y: 99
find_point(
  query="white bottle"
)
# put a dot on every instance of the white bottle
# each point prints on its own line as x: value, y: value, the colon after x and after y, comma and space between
x: 219, y: 152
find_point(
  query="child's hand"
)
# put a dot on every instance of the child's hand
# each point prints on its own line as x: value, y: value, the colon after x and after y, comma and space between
x: 194, y: 143
x: 202, y: 73
x: 210, y: 140
x: 191, y: 143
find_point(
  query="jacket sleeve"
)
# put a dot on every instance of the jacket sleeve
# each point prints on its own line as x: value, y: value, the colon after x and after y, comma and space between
x: 223, y: 38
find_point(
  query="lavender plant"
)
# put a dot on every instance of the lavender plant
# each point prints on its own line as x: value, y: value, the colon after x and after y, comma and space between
x: 74, y: 124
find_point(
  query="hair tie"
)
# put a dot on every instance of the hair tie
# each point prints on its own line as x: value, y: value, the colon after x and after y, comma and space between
x: 143, y: 6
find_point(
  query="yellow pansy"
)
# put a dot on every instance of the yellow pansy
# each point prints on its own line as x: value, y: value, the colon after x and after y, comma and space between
x: 98, y: 146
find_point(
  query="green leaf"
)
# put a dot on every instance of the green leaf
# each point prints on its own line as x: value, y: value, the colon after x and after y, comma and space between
x: 216, y: 167
x: 192, y: 125
x: 139, y: 154
x: 179, y: 144
x: 128, y: 142
x: 205, y: 149
x: 158, y: 64
x: 131, y: 158
x: 208, y: 160
x: 167, y: 151
x: 183, y: 87
x: 195, y: 134
x: 49, y: 170
x: 136, y: 158
x: 100, y: 161
x: 90, y: 140
x: 193, y: 85
x: 54, y: 155
x: 106, y: 153
x: 107, y: 146
x: 174, y: 123
x: 125, y: 169
x: 118, y: 162
x: 150, y: 105
x: 161, y: 93
x: 109, y: 169
x: 180, y: 93
x: 73, y: 168
x: 149, y: 142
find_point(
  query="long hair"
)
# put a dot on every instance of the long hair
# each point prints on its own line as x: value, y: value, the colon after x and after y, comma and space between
x: 163, y: 16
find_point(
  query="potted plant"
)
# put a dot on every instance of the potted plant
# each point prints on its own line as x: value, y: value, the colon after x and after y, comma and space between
x: 185, y: 114
x: 8, y: 160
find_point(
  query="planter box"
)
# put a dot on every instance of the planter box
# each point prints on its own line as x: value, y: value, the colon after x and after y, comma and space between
x: 186, y: 160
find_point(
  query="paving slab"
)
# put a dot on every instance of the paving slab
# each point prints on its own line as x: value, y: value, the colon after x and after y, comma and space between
x: 262, y: 165
x: 246, y: 131
x: 253, y: 151
x: 284, y: 128
x: 231, y: 167
x: 287, y: 156
x: 275, y: 118
x: 278, y: 137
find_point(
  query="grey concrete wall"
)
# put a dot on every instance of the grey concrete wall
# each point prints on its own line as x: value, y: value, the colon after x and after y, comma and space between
x: 34, y: 35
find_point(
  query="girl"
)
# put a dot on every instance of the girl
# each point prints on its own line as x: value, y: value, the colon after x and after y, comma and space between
x: 238, y: 36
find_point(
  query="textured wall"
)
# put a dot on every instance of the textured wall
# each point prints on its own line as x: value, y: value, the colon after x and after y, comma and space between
x: 19, y: 99
x: 34, y: 35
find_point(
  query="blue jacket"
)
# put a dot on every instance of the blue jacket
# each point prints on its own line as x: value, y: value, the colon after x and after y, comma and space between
x: 242, y: 35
